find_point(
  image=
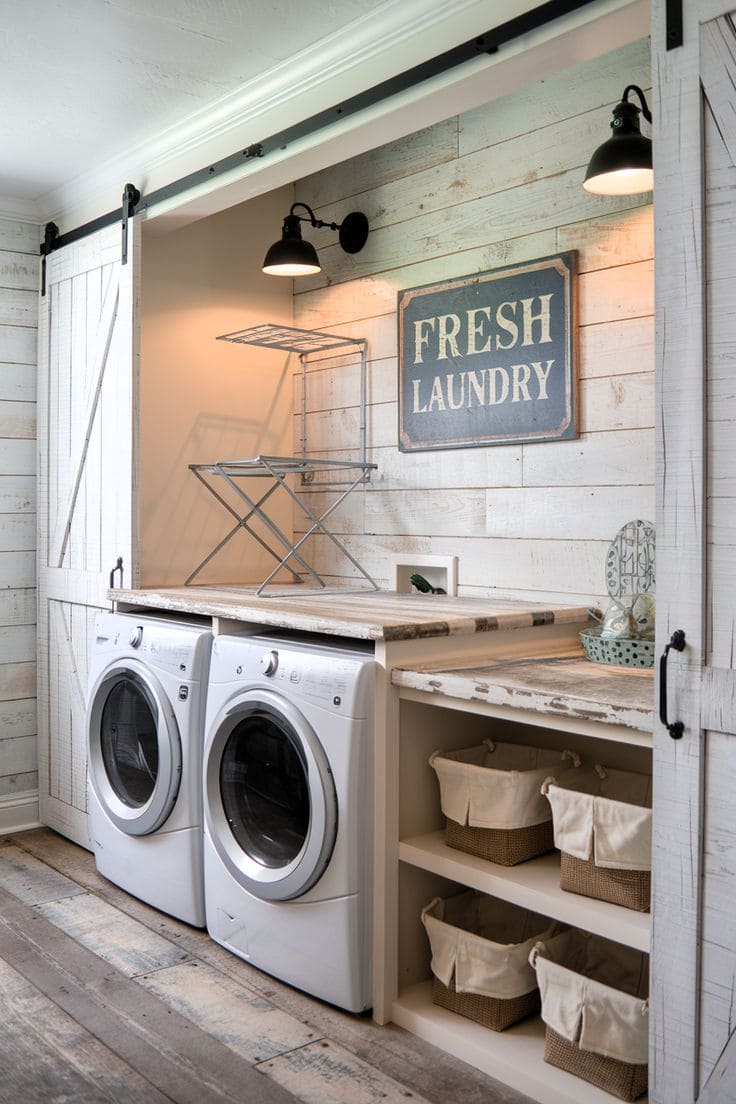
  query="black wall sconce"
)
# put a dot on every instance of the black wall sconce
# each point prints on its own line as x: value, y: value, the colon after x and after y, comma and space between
x: 623, y: 164
x: 293, y: 256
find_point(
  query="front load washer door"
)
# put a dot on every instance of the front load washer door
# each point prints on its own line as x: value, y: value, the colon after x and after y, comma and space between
x: 271, y: 805
x: 134, y: 748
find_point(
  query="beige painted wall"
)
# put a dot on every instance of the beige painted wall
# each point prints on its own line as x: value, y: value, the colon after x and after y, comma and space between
x: 204, y: 400
x: 18, y: 329
x: 495, y: 186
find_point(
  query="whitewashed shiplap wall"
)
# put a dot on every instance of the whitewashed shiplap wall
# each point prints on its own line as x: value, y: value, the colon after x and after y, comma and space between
x: 18, y: 328
x: 498, y: 185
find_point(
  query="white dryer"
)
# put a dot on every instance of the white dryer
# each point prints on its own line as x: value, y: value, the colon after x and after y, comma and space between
x: 288, y: 792
x: 145, y: 729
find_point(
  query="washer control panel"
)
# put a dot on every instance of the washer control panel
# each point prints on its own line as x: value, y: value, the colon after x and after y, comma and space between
x: 332, y: 677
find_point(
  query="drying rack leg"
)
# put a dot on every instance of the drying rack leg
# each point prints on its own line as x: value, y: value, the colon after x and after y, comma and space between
x: 317, y: 523
x: 241, y: 523
x: 255, y: 508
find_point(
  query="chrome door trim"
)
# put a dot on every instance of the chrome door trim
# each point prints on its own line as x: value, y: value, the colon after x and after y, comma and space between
x: 272, y: 883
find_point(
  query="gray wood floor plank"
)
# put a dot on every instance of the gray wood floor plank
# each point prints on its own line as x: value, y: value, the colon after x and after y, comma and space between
x: 46, y: 1056
x: 246, y: 1023
x: 184, y: 1063
x: 30, y: 879
x: 325, y: 1073
x: 422, y: 1068
x: 126, y: 944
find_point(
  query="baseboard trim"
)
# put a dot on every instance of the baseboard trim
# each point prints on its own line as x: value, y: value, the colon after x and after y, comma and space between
x: 19, y: 812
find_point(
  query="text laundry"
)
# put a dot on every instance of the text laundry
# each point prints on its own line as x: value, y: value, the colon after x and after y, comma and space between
x: 486, y: 387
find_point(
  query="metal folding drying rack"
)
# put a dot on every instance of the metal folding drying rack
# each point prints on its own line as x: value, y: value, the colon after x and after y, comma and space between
x: 339, y: 475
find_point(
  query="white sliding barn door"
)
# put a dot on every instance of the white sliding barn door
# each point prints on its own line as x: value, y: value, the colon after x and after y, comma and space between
x: 693, y: 1000
x: 87, y: 439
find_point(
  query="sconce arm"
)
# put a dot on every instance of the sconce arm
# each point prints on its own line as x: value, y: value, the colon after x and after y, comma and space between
x: 318, y: 223
x: 642, y: 99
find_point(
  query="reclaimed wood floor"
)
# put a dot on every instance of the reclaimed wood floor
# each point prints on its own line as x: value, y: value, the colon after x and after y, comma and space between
x: 103, y: 999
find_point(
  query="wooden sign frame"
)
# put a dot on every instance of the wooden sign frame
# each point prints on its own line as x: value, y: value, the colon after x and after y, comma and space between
x: 490, y: 359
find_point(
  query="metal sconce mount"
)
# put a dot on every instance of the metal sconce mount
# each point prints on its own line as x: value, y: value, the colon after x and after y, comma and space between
x: 623, y: 164
x: 293, y: 256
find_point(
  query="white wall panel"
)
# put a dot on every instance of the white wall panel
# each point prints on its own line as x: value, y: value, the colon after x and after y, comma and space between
x: 19, y: 264
x: 531, y: 519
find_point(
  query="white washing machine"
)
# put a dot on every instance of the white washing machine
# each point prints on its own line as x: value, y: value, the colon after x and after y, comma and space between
x: 145, y: 730
x: 288, y: 793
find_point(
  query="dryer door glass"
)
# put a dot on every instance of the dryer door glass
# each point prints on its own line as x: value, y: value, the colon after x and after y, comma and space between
x: 265, y: 789
x: 129, y: 742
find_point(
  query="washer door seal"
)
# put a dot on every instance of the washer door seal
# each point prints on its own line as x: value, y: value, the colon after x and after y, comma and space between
x: 134, y: 748
x: 270, y: 799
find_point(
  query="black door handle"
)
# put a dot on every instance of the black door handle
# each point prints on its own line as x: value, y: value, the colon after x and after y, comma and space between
x: 675, y: 728
x: 118, y: 567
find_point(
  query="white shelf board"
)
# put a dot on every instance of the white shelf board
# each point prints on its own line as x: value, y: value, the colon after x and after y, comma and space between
x: 515, y: 1056
x: 534, y: 885
x: 619, y: 733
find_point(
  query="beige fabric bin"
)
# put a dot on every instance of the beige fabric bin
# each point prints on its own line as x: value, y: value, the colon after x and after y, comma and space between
x: 596, y: 1011
x: 603, y: 828
x: 480, y: 957
x: 491, y: 797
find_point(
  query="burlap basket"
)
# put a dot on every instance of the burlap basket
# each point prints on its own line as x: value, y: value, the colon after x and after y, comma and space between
x: 595, y: 1009
x: 491, y: 1012
x: 622, y: 1079
x: 603, y: 828
x: 491, y: 797
x: 480, y: 957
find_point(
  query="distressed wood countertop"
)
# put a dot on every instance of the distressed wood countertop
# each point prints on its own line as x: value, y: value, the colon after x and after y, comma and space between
x: 566, y: 685
x: 370, y: 615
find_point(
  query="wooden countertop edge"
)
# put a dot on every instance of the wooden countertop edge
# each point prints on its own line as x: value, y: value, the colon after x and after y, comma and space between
x: 275, y: 613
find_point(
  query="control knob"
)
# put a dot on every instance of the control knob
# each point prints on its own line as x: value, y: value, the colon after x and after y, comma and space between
x: 135, y: 637
x: 269, y: 662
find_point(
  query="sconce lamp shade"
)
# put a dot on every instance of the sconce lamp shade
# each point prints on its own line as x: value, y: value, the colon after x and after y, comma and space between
x: 292, y: 256
x: 623, y: 164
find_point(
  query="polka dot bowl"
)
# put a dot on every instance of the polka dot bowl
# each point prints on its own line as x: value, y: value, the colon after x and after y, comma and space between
x: 624, y: 652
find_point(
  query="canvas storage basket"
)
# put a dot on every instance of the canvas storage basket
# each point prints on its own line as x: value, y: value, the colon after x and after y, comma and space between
x: 491, y: 797
x: 480, y: 957
x: 595, y: 1010
x: 603, y: 828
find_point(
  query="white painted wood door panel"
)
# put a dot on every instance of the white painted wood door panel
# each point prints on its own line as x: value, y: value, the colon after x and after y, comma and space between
x: 693, y: 997
x: 87, y: 442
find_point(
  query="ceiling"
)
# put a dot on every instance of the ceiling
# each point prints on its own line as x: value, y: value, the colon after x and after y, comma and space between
x: 83, y: 80
x: 98, y: 92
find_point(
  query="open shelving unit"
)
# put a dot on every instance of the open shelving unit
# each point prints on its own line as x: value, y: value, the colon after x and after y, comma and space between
x: 292, y: 474
x: 560, y: 695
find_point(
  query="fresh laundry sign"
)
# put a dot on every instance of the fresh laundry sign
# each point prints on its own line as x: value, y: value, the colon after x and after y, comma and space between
x: 489, y: 359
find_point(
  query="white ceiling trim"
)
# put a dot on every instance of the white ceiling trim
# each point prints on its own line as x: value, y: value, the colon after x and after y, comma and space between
x: 402, y: 34
x: 20, y: 210
x: 578, y: 37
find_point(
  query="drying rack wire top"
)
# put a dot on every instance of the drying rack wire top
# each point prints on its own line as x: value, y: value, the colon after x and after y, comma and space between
x: 291, y: 340
x: 337, y: 476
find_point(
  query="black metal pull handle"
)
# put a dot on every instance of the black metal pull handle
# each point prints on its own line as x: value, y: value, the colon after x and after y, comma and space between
x: 675, y: 728
x: 118, y: 567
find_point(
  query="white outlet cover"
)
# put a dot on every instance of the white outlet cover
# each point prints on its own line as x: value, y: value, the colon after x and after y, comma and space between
x: 440, y: 571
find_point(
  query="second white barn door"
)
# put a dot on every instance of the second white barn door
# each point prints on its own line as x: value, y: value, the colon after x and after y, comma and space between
x: 87, y: 509
x: 693, y: 1000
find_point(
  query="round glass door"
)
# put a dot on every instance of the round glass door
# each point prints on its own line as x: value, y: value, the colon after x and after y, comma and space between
x: 129, y: 741
x: 272, y: 807
x: 134, y: 748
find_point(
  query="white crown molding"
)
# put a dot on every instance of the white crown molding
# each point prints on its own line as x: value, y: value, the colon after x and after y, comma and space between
x: 20, y: 210
x: 401, y: 34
